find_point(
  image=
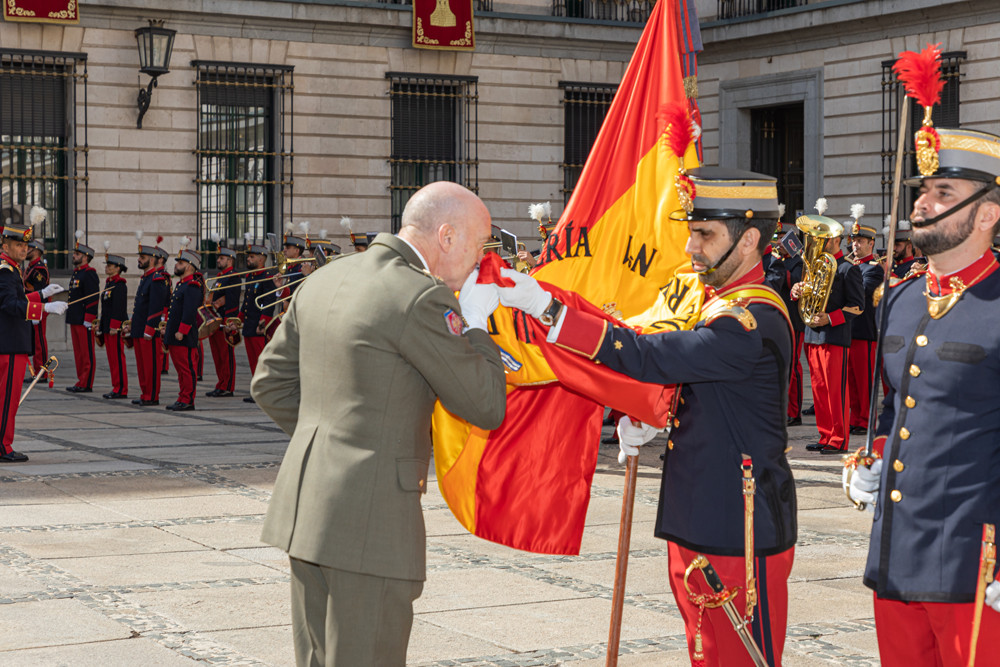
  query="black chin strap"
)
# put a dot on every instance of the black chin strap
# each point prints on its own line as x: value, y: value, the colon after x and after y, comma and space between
x: 976, y: 196
x: 729, y: 252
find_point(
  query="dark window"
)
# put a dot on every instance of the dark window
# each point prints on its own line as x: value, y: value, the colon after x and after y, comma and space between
x: 946, y: 114
x: 478, y: 5
x: 731, y: 9
x: 777, y: 149
x: 434, y: 134
x: 584, y: 107
x: 245, y: 150
x: 628, y: 11
x: 43, y: 143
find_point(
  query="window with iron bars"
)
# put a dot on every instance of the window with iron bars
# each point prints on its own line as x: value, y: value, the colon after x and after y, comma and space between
x: 946, y: 114
x: 584, y: 107
x: 478, y: 5
x: 245, y: 151
x: 43, y: 144
x: 626, y: 11
x: 733, y: 9
x: 435, y: 134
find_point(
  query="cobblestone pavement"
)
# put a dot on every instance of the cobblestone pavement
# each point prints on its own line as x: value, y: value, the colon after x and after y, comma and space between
x: 131, y: 538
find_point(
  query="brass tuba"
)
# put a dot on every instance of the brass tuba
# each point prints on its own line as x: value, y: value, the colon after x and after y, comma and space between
x: 818, y: 267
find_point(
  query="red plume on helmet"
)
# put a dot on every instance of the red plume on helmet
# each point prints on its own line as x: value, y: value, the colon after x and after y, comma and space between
x: 678, y: 134
x: 920, y: 74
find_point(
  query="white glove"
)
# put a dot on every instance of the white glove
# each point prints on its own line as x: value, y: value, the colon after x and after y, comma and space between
x: 526, y: 294
x: 477, y: 301
x: 993, y: 596
x: 56, y: 307
x: 631, y: 437
x: 52, y: 289
x: 88, y: 325
x: 865, y: 483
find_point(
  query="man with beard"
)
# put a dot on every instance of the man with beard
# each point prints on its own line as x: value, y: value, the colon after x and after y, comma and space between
x: 935, y: 484
x: 151, y: 297
x: 84, y: 287
x: 255, y: 318
x: 733, y: 369
x: 181, y: 335
x: 227, y: 304
x: 902, y: 250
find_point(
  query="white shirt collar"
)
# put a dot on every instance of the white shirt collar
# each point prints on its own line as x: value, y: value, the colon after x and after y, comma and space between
x: 414, y: 249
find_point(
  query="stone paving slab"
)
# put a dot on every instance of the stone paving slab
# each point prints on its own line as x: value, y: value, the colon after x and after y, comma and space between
x: 101, y: 542
x: 139, y: 569
x: 130, y: 651
x: 112, y: 488
x: 202, y: 609
x: 31, y: 625
x: 218, y: 504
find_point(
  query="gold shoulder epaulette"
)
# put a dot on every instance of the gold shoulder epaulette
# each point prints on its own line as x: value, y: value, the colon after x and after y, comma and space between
x: 732, y: 309
x: 4, y: 264
x: 894, y: 281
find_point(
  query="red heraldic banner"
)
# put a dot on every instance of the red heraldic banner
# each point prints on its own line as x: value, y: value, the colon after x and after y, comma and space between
x: 42, y: 11
x: 443, y: 24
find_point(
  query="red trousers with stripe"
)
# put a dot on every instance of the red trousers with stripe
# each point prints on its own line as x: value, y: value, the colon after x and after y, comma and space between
x: 11, y: 381
x: 186, y: 364
x: 861, y: 366
x: 828, y: 375
x: 83, y: 355
x: 114, y: 345
x: 721, y: 644
x: 41, y: 345
x: 934, y: 634
x: 795, y: 377
x: 148, y: 358
x: 224, y: 356
x: 255, y: 345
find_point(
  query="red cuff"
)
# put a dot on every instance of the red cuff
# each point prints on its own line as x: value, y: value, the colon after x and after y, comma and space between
x: 34, y: 297
x: 149, y: 331
x: 35, y: 310
x: 582, y: 333
x: 878, y: 445
x: 89, y: 317
x: 836, y: 318
x: 184, y: 328
x: 264, y: 319
x: 116, y: 324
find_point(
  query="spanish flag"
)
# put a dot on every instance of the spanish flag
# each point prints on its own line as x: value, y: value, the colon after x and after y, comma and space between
x: 614, y: 252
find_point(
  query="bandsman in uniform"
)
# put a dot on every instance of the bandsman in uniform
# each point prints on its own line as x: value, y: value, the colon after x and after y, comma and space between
x: 793, y: 275
x: 255, y: 319
x: 17, y: 311
x: 902, y: 249
x: 114, y: 313
x: 864, y: 333
x: 732, y: 367
x: 152, y: 296
x: 938, y: 479
x: 36, y: 278
x: 161, y: 266
x: 181, y: 334
x: 295, y: 246
x: 84, y: 287
x: 226, y: 301
x: 827, y: 341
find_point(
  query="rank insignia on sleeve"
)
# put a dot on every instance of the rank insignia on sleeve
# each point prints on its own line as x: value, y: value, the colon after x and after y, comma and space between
x: 454, y: 321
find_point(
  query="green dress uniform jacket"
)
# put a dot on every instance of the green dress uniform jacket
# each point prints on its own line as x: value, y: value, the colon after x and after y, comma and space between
x: 368, y: 344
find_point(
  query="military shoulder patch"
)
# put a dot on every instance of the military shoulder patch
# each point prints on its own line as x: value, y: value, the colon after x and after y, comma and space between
x: 732, y: 309
x: 453, y: 321
x: 5, y: 266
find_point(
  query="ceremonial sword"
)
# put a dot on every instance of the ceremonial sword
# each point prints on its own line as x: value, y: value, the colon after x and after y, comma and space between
x: 53, y: 363
x: 987, y: 562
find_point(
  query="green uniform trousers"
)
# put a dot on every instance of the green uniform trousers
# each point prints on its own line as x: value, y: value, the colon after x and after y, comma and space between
x: 346, y: 619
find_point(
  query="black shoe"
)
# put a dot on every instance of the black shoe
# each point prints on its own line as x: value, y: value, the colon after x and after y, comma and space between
x: 794, y: 421
x: 180, y: 407
x: 163, y: 372
x: 79, y: 390
x: 13, y: 457
x: 830, y: 449
x: 218, y: 393
x: 139, y: 401
x: 29, y: 379
x: 608, y: 421
x: 114, y: 394
x: 809, y: 411
x: 249, y: 399
x: 858, y: 430
x: 610, y: 440
x: 815, y: 447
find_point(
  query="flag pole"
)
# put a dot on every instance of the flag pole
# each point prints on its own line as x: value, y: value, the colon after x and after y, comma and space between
x: 621, y: 561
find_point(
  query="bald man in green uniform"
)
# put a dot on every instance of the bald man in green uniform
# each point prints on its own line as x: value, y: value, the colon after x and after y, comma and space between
x: 369, y: 343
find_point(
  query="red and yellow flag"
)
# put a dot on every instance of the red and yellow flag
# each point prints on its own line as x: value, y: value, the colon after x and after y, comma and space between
x: 527, y: 484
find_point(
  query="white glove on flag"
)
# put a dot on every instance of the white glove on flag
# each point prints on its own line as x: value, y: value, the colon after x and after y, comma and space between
x: 52, y: 289
x: 993, y: 596
x: 631, y: 437
x: 526, y: 294
x: 88, y: 325
x: 477, y: 301
x: 865, y: 483
x: 56, y: 307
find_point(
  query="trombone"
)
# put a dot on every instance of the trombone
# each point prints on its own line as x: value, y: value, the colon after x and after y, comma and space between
x: 281, y: 264
x: 275, y: 291
x: 518, y: 264
x: 319, y: 258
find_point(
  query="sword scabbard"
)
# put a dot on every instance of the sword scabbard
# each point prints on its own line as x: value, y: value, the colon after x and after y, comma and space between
x: 749, y: 490
x: 987, y: 563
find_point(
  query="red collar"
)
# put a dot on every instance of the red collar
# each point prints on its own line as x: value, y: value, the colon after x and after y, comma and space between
x: 32, y: 264
x: 17, y: 265
x: 84, y: 267
x: 908, y: 258
x: 755, y: 276
x: 839, y: 255
x: 866, y: 259
x: 150, y: 271
x: 114, y: 279
x: 187, y: 279
x: 970, y: 275
x: 229, y: 270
